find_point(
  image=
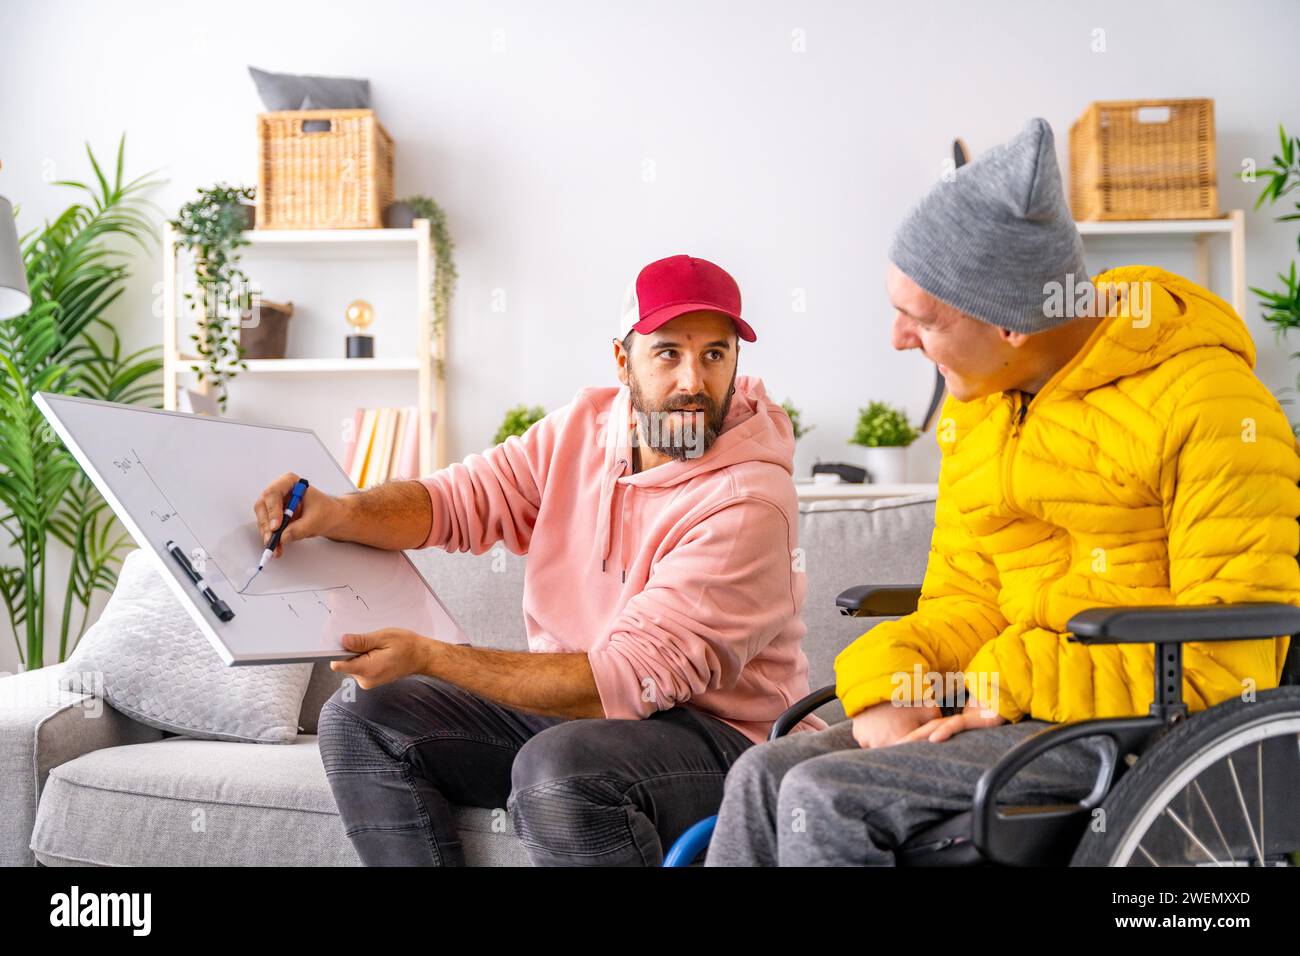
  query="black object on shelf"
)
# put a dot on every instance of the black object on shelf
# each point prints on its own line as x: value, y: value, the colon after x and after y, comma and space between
x: 361, y: 346
x: 850, y: 474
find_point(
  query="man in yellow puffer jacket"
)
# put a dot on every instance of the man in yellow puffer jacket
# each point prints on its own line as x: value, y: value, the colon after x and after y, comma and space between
x: 1106, y: 443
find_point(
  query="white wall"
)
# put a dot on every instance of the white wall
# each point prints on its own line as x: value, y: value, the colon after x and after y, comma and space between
x: 534, y: 124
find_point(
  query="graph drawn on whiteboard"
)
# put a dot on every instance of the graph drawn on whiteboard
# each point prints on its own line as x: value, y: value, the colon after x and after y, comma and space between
x: 294, y: 591
x: 193, y: 479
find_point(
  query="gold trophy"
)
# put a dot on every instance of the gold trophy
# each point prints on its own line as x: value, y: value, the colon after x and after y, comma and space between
x: 359, y: 315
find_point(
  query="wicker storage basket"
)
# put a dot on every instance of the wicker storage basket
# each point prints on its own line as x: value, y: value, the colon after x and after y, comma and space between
x: 336, y: 178
x: 1144, y: 159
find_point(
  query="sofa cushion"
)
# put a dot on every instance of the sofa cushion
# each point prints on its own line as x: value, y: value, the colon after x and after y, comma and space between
x: 147, y: 657
x: 484, y: 592
x: 42, y: 726
x: 847, y: 543
x: 187, y: 802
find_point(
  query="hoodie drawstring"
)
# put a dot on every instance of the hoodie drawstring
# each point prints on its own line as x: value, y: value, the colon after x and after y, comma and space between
x: 622, y: 530
x: 605, y: 525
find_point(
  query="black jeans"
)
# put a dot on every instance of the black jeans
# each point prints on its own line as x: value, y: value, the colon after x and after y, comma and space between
x: 590, y: 792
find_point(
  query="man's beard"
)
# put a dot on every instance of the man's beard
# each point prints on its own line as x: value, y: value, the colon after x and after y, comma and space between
x: 680, y: 436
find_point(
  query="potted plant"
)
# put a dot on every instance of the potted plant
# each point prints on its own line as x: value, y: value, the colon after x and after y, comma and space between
x: 793, y: 414
x: 76, y: 268
x: 400, y: 215
x: 884, y: 433
x: 801, y: 467
x: 1282, y: 308
x: 517, y: 421
x: 210, y: 226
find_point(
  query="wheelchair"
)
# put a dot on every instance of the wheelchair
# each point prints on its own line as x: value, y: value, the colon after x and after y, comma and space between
x: 1217, y: 788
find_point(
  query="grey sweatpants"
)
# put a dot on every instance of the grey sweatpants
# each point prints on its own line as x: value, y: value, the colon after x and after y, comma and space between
x: 818, y: 799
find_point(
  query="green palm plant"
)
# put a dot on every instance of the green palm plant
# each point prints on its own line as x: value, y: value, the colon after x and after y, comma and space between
x: 63, y: 343
x: 1282, y: 308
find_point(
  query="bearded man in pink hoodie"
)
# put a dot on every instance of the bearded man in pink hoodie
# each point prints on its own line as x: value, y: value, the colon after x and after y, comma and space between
x: 662, y: 604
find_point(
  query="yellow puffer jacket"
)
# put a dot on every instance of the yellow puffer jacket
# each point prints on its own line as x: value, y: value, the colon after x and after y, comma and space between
x: 1154, y: 468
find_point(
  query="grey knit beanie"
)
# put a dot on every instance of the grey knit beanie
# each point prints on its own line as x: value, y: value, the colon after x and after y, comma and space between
x: 989, y: 240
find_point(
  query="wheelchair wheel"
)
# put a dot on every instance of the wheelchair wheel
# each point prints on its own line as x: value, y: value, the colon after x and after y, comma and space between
x: 1222, y: 788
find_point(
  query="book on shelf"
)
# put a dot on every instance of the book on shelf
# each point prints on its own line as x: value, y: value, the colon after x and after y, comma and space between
x: 381, y: 452
x: 356, y: 468
x: 350, y: 439
x: 384, y: 444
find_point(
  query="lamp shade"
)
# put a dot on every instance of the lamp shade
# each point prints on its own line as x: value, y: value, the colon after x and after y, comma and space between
x: 15, y: 299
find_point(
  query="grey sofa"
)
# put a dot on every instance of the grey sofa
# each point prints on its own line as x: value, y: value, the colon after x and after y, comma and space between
x: 85, y: 785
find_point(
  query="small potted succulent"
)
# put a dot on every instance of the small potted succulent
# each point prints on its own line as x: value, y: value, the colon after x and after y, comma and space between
x: 517, y: 421
x: 884, y: 433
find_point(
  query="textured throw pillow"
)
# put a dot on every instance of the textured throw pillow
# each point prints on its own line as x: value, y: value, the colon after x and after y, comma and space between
x: 147, y: 658
x: 285, y: 91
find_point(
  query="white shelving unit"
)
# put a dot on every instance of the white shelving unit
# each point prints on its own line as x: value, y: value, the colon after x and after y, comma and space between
x: 343, y: 244
x: 333, y: 365
x: 1233, y: 225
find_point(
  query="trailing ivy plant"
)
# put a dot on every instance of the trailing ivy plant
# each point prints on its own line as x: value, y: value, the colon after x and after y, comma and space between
x: 211, y: 227
x: 444, y: 276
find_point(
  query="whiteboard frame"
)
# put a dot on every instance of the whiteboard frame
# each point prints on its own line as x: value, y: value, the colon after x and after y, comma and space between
x: 190, y: 598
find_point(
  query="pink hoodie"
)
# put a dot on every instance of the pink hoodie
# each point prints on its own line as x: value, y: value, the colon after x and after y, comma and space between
x: 677, y: 582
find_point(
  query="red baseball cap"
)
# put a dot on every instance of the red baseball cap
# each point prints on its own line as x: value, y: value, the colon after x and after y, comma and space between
x: 674, y: 286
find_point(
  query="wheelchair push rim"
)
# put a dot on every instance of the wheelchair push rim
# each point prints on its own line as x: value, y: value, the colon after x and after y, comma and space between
x: 1225, y: 805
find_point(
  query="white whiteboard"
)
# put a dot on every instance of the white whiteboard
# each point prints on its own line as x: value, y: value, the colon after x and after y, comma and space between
x: 193, y: 479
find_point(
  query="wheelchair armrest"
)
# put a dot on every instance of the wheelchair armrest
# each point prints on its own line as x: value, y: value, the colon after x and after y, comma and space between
x: 878, y: 600
x: 1175, y: 624
x: 801, y: 709
x: 1047, y: 834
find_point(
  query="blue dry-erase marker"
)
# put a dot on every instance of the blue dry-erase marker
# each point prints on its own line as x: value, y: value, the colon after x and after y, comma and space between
x: 295, y: 499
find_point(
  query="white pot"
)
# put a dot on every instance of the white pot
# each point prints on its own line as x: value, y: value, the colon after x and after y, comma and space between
x: 886, y: 465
